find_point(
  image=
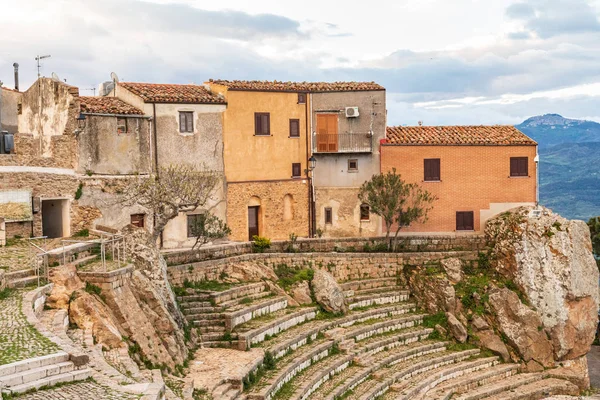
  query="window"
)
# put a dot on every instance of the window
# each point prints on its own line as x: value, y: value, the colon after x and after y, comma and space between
x: 352, y: 165
x: 138, y: 220
x: 364, y: 212
x: 294, y: 128
x: 328, y: 215
x: 194, y: 224
x: 121, y: 125
x: 301, y: 98
x: 7, y: 143
x: 519, y: 166
x: 262, y: 124
x: 464, y: 221
x: 432, y: 169
x: 296, y: 170
x: 186, y: 122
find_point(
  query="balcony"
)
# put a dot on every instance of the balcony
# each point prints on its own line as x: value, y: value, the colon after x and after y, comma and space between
x: 343, y: 143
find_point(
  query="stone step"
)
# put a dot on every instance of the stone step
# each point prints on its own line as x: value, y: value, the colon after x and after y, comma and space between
x: 236, y: 302
x: 539, y: 390
x: 239, y: 292
x: 31, y: 363
x: 193, y: 297
x: 369, y: 283
x: 505, y: 385
x: 198, y: 304
x: 350, y: 294
x: 379, y: 298
x: 225, y: 391
x: 72, y: 376
x: 215, y: 336
x: 34, y: 374
x: 204, y: 317
x: 255, y: 310
x: 23, y: 273
x: 23, y: 282
x: 84, y: 260
x: 204, y: 327
x: 465, y: 383
x: 417, y: 389
x: 364, y: 332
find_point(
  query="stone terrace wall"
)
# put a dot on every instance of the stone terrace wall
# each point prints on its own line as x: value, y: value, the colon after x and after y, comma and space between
x: 343, y: 266
x: 342, y: 245
x: 108, y: 280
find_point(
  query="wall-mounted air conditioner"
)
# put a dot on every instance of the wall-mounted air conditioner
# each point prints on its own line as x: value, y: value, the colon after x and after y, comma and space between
x: 351, y: 112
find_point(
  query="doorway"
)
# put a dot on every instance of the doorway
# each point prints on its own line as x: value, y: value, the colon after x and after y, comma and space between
x: 253, y: 228
x: 55, y: 218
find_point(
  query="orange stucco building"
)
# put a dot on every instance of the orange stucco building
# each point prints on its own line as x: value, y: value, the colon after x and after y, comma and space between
x: 475, y: 171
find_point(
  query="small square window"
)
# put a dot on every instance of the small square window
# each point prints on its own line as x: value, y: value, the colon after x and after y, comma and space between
x: 352, y: 165
x: 365, y: 212
x: 465, y: 221
x: 301, y: 98
x: 328, y: 215
x: 432, y: 169
x: 518, y: 166
x: 262, y: 124
x: 121, y: 125
x: 138, y: 220
x: 194, y: 224
x: 296, y: 170
x: 186, y: 122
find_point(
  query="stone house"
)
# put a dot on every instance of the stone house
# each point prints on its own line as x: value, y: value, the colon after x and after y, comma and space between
x: 187, y: 128
x: 475, y: 171
x: 347, y: 122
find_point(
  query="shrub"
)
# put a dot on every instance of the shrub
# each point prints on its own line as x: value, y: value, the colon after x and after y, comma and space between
x: 260, y: 244
x: 79, y: 192
x: 82, y: 233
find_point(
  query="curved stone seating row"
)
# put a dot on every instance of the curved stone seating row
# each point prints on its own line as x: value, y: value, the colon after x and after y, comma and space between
x: 238, y: 292
x: 239, y: 317
x: 363, y: 284
x: 387, y: 297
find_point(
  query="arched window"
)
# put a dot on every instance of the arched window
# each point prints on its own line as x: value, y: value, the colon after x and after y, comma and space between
x: 365, y: 212
x: 288, y: 207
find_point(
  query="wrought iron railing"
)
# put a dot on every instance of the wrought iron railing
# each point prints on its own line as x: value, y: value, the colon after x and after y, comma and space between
x: 343, y: 142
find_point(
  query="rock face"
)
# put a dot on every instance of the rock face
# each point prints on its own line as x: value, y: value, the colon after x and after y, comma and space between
x: 522, y: 326
x: 550, y: 259
x: 453, y: 268
x: 300, y: 292
x: 92, y: 315
x: 489, y: 340
x: 328, y: 292
x: 458, y: 330
x: 65, y: 281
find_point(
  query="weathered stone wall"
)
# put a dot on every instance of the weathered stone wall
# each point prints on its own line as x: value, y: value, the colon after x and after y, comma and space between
x: 2, y: 279
x: 10, y: 100
x: 406, y: 244
x: 19, y: 228
x: 343, y: 267
x: 29, y: 151
x: 275, y: 222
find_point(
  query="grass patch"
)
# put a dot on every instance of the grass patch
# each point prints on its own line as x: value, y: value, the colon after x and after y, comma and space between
x: 6, y: 293
x: 288, y: 276
x: 211, y: 286
x: 82, y: 233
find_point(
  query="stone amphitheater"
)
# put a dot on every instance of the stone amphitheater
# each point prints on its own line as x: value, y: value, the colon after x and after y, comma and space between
x: 317, y: 319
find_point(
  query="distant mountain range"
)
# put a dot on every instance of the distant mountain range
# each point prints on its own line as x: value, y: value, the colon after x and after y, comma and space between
x: 569, y: 164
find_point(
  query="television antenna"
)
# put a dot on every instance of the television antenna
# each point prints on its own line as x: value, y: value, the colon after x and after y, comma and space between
x: 114, y: 77
x: 92, y: 89
x: 55, y: 77
x: 38, y: 59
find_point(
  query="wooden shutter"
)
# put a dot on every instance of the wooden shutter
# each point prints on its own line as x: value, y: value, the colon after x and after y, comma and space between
x: 181, y: 122
x: 301, y: 98
x: 327, y: 133
x: 519, y: 166
x: 294, y: 128
x: 190, y: 122
x: 262, y: 124
x: 296, y: 169
x: 465, y: 221
x: 328, y: 215
x: 364, y: 212
x: 431, y: 169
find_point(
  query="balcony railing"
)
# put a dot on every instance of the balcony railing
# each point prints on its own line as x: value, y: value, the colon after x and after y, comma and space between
x: 343, y: 143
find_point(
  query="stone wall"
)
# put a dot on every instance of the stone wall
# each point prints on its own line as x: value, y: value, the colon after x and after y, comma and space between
x: 19, y: 228
x: 407, y: 244
x: 112, y: 280
x: 343, y: 266
x: 2, y: 279
x: 276, y: 219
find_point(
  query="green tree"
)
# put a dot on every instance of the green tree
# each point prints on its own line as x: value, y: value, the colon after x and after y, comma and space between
x: 396, y: 202
x: 208, y: 227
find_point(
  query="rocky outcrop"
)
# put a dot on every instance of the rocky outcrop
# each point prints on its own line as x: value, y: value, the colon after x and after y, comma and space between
x: 328, y: 293
x: 300, y: 292
x: 453, y: 268
x: 458, y: 330
x: 550, y: 259
x: 92, y: 315
x: 66, y: 282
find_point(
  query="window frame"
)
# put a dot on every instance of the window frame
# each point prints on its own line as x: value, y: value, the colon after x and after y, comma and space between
x: 328, y: 215
x: 464, y: 227
x: 517, y: 172
x: 294, y: 121
x: 258, y: 117
x: 189, y: 233
x: 437, y: 164
x: 350, y: 168
x: 301, y: 98
x: 186, y: 115
x: 123, y: 126
x: 138, y: 215
x: 364, y: 207
x: 297, y: 167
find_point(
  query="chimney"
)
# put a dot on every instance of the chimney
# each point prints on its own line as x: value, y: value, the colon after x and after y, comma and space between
x: 16, y: 66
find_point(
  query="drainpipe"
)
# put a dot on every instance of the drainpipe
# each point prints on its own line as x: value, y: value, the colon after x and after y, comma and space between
x: 537, y: 177
x: 16, y: 67
x: 310, y: 191
x: 155, y: 140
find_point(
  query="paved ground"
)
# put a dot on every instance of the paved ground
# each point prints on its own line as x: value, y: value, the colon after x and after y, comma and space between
x: 79, y: 391
x: 18, y: 339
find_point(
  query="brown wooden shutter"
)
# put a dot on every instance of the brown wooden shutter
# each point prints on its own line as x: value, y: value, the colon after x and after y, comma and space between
x: 296, y: 169
x: 519, y: 166
x: 265, y: 124
x: 294, y: 128
x: 465, y: 221
x: 181, y: 122
x: 431, y: 169
x: 190, y: 122
x: 328, y: 215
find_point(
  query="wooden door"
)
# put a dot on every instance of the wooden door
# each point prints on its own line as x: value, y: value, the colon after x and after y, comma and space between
x: 253, y: 221
x: 327, y: 133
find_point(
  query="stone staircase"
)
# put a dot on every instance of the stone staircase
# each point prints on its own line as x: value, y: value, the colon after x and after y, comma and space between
x: 39, y: 372
x: 379, y: 350
x: 21, y: 278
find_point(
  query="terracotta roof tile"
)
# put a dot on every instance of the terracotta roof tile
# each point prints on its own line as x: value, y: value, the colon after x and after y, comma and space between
x: 314, y: 87
x: 107, y: 105
x: 172, y: 93
x: 457, y: 135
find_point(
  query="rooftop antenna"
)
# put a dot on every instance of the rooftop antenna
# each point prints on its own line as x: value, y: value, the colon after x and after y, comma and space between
x: 420, y: 123
x: 39, y: 66
x: 115, y: 80
x: 55, y: 77
x: 92, y: 89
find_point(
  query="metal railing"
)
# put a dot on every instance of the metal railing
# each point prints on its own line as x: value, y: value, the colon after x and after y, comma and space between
x: 343, y: 142
x: 39, y: 258
x: 115, y: 244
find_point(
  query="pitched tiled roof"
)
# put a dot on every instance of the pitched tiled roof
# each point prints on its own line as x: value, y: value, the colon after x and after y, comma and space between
x: 315, y: 87
x: 457, y: 135
x: 172, y: 93
x: 107, y: 105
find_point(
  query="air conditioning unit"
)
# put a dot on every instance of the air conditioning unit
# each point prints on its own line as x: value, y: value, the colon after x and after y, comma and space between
x: 351, y: 112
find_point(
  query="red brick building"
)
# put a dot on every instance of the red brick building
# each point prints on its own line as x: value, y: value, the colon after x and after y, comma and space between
x: 475, y: 171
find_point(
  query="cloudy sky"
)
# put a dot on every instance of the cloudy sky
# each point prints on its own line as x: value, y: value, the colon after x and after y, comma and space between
x: 442, y: 61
